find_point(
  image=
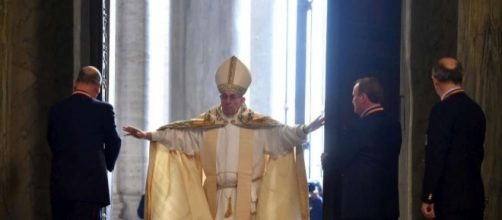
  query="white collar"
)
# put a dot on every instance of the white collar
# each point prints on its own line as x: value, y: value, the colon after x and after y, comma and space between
x: 371, y: 109
x: 451, y: 91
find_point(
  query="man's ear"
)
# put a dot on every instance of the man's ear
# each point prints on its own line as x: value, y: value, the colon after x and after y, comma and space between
x: 98, y: 90
x: 364, y: 96
x: 434, y: 80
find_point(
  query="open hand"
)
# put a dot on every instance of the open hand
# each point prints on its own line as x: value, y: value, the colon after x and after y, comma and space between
x: 135, y: 132
x: 314, y: 125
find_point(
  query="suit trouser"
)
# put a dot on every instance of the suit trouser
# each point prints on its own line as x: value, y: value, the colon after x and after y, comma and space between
x: 75, y: 210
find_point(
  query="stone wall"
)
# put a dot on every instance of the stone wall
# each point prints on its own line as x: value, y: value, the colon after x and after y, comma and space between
x: 36, y: 65
x: 472, y: 32
x: 480, y: 51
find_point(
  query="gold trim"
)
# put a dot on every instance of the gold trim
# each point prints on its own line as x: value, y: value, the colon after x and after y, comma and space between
x: 226, y: 186
x: 208, y: 162
x: 222, y: 88
x: 213, y: 118
x: 231, y: 70
x: 245, y: 175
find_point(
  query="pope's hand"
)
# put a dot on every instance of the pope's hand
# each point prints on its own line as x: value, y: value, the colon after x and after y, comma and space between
x: 135, y: 132
x: 314, y: 125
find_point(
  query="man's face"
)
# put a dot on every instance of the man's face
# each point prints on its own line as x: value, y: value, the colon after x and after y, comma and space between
x: 230, y: 103
x: 357, y: 100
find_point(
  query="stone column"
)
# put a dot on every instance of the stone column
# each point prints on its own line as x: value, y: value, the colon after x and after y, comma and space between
x: 130, y: 93
x: 203, y: 35
x: 406, y: 113
x: 262, y: 55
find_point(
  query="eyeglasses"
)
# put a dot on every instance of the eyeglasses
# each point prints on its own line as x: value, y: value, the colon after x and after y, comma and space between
x: 231, y: 97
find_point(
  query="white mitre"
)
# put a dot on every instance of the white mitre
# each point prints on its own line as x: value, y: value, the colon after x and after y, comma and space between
x: 233, y: 76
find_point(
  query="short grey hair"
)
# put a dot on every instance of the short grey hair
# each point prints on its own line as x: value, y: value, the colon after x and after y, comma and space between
x: 89, y: 75
x: 372, y: 88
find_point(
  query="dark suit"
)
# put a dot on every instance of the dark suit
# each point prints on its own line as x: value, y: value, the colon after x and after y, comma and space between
x: 365, y: 166
x: 454, y: 153
x: 315, y: 205
x: 84, y: 143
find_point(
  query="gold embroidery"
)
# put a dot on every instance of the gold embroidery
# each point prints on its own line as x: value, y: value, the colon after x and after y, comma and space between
x: 228, y: 213
x: 231, y: 70
x: 233, y: 88
x: 214, y: 119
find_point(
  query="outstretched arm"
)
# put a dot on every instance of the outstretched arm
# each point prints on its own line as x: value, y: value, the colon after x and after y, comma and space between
x: 314, y: 125
x: 137, y: 133
x: 185, y: 140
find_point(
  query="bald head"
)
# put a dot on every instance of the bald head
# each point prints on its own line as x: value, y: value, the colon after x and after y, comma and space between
x: 448, y: 69
x: 89, y: 75
x: 88, y: 81
x: 448, y: 63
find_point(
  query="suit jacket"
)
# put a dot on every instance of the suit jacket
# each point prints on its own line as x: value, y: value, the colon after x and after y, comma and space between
x: 366, y: 168
x: 454, y: 153
x: 84, y: 144
x: 315, y: 205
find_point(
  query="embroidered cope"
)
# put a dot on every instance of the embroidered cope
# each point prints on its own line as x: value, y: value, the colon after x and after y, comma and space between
x: 271, y: 140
